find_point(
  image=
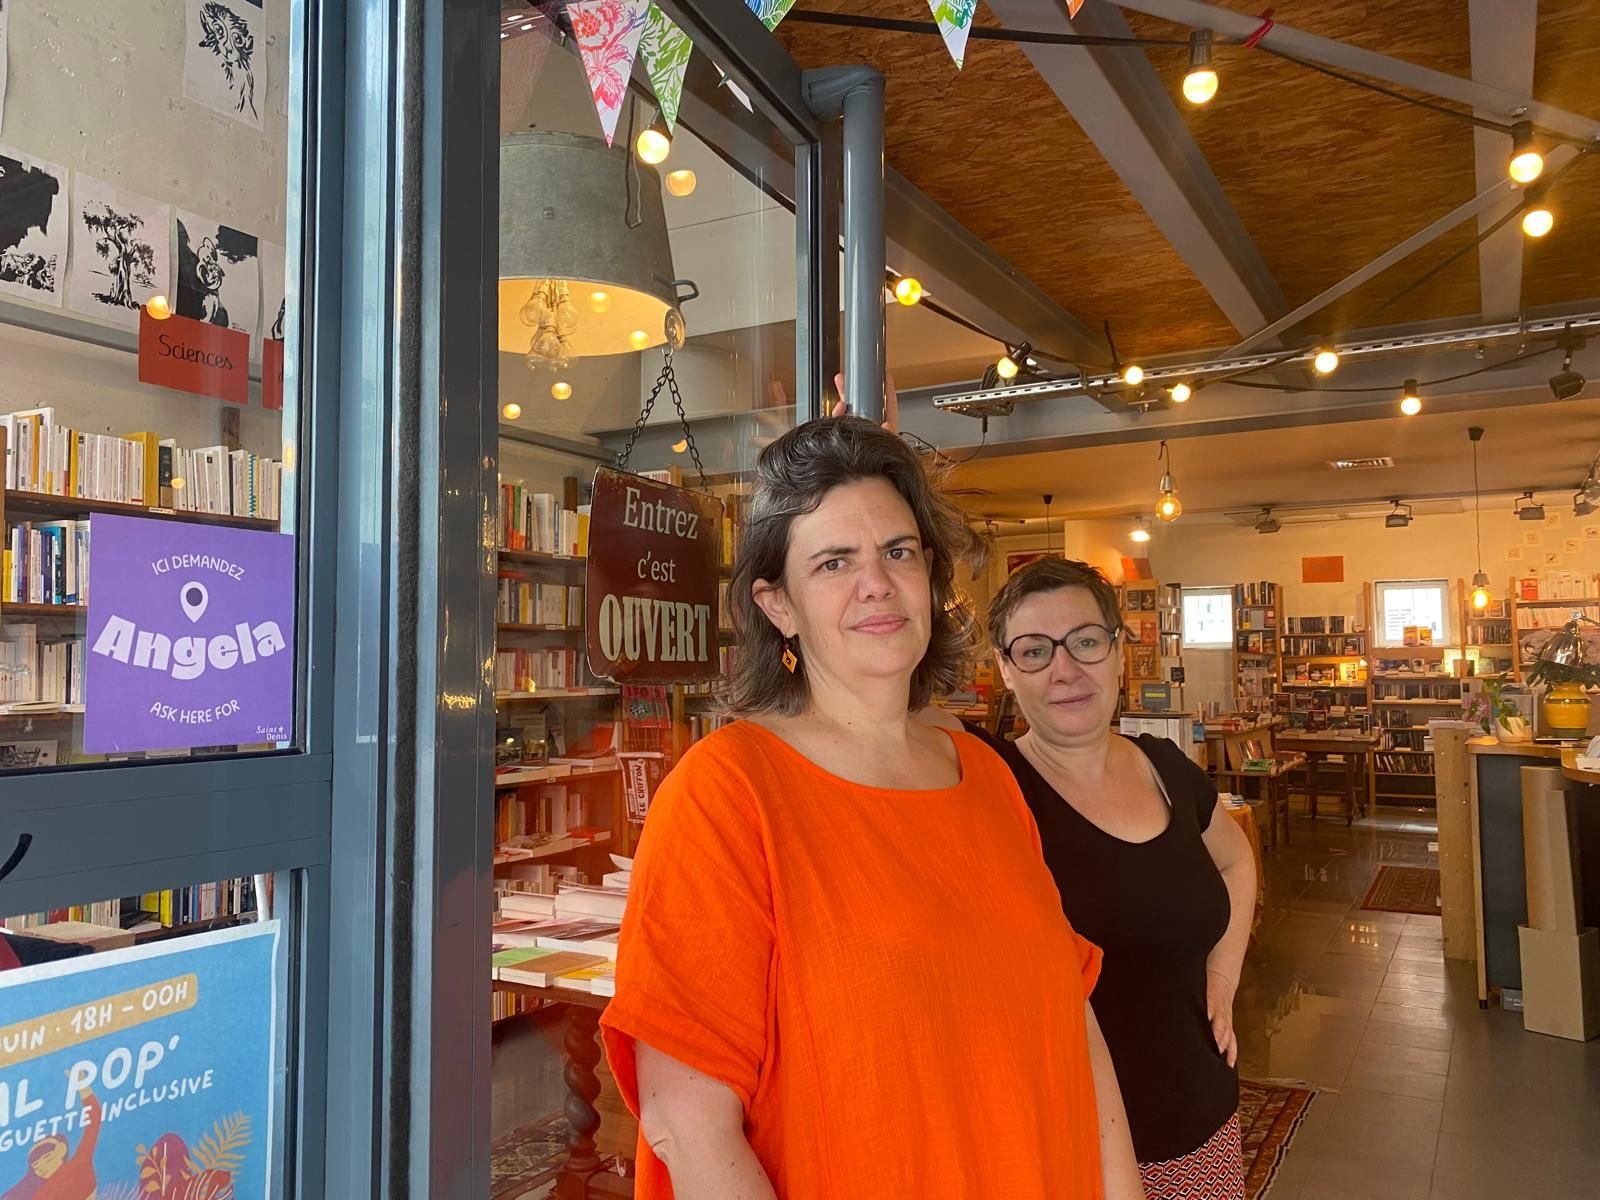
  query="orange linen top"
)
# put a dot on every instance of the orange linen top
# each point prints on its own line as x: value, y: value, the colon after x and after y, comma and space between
x: 884, y: 978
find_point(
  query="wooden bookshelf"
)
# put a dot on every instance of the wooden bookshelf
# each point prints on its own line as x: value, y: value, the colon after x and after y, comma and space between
x: 542, y: 558
x: 506, y: 627
x: 1531, y: 617
x: 1257, y: 674
x: 559, y: 694
x: 43, y: 504
x: 15, y: 612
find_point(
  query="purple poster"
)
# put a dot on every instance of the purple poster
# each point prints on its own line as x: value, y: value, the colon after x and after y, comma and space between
x: 191, y: 636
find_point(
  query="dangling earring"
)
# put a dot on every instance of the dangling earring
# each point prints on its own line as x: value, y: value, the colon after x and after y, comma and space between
x: 791, y: 660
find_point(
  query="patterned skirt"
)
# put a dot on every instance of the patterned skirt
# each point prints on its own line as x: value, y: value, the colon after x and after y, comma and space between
x: 1213, y: 1172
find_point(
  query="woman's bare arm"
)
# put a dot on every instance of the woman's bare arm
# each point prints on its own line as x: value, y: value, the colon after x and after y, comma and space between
x: 695, y: 1125
x: 1117, y: 1162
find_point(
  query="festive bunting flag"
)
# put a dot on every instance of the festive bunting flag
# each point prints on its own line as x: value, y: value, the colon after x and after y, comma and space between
x: 738, y: 92
x: 954, y: 18
x: 666, y: 52
x: 608, y: 34
x: 1073, y: 6
x: 770, y: 11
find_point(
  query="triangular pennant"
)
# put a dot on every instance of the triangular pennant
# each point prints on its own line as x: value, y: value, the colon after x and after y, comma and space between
x: 954, y: 18
x: 738, y: 92
x: 608, y: 34
x: 666, y: 51
x: 770, y: 11
x: 1072, y: 7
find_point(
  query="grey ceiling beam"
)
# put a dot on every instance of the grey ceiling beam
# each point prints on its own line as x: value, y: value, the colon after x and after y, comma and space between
x: 1124, y: 107
x: 1503, y: 36
x: 1500, y: 103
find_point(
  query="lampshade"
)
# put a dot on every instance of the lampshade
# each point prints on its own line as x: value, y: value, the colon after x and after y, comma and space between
x: 1566, y: 648
x: 571, y: 226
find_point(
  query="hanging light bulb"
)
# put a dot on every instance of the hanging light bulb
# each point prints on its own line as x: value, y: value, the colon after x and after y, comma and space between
x: 1181, y: 392
x: 681, y: 183
x: 1480, y: 591
x: 561, y: 390
x: 1006, y: 367
x: 1200, y: 84
x: 1527, y: 163
x: 1480, y: 580
x: 1326, y: 362
x: 1168, y: 507
x: 1410, y: 402
x: 908, y: 290
x: 511, y: 410
x: 1537, y: 219
x: 679, y: 446
x: 654, y: 143
x: 599, y: 302
x: 1140, y: 531
x: 159, y: 307
x: 1133, y: 375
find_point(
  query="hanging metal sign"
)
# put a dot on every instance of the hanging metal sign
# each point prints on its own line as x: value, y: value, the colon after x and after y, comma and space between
x: 654, y: 556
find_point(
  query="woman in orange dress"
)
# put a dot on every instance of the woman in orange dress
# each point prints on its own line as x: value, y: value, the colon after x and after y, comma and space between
x: 844, y: 970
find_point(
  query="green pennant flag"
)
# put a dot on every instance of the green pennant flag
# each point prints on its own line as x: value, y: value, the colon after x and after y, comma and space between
x: 770, y: 11
x: 666, y: 51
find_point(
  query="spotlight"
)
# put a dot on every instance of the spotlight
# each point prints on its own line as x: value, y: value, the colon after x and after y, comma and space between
x: 1480, y: 591
x: 1140, y: 531
x: 654, y: 143
x: 1200, y: 84
x: 1527, y: 163
x: 1267, y: 523
x: 1006, y: 367
x: 1181, y: 392
x: 1133, y: 375
x: 1398, y: 517
x: 561, y: 390
x: 1566, y: 383
x: 681, y: 183
x: 1410, y: 402
x: 511, y: 410
x: 1537, y: 219
x: 1011, y: 363
x: 1527, y: 508
x: 908, y: 290
x: 1326, y: 362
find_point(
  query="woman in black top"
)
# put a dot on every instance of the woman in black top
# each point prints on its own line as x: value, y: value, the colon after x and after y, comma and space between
x: 1146, y: 870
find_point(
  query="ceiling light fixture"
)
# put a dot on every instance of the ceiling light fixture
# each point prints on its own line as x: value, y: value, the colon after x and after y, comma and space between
x: 682, y: 182
x: 1140, y: 531
x: 908, y: 290
x: 1326, y: 362
x: 1006, y: 367
x: 561, y: 390
x: 511, y: 410
x: 1133, y: 375
x: 1527, y: 163
x: 1266, y: 522
x: 1410, y: 401
x: 1480, y: 580
x: 1181, y: 392
x: 1398, y: 517
x: 1200, y: 84
x: 1537, y: 219
x: 1168, y: 508
x: 654, y: 143
x: 1527, y: 508
x: 1566, y: 383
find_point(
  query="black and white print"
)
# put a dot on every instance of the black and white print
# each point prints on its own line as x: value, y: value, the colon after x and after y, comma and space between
x: 273, y: 306
x: 25, y: 754
x: 219, y: 275
x: 224, y: 57
x: 121, y: 251
x: 33, y: 227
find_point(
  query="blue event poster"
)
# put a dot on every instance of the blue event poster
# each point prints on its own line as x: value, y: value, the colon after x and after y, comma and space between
x: 141, y: 1074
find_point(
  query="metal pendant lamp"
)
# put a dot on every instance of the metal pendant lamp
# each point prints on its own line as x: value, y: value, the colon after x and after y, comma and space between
x: 585, y: 263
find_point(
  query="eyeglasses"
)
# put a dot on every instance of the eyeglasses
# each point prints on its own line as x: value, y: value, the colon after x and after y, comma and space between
x: 1087, y: 644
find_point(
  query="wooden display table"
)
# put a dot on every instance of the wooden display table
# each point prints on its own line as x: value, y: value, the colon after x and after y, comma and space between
x: 1319, y: 748
x: 583, y: 1175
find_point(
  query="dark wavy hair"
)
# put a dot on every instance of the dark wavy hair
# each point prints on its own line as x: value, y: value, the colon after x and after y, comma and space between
x: 1051, y: 575
x: 793, y: 475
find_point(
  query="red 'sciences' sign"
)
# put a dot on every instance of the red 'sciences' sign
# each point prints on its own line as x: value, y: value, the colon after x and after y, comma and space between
x: 192, y: 356
x: 272, y: 374
x: 654, y: 553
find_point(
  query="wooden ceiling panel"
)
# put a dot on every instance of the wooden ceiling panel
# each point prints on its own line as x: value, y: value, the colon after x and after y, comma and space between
x: 1565, y: 266
x: 993, y: 145
x: 1327, y: 176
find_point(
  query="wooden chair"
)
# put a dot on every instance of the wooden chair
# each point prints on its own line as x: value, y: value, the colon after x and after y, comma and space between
x: 1272, y: 781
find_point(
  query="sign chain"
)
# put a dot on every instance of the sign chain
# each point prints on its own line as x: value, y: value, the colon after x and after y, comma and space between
x: 667, y: 379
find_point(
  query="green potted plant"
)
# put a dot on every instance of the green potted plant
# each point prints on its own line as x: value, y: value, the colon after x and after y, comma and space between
x: 1506, y: 719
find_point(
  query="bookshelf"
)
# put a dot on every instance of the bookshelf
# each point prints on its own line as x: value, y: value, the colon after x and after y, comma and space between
x: 1411, y: 685
x: 1257, y: 647
x: 1538, y: 608
x: 1152, y: 614
x: 1486, y: 639
x: 1324, y: 673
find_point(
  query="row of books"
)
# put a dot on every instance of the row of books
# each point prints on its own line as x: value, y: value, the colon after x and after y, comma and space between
x: 551, y: 810
x: 727, y: 657
x: 35, y: 670
x: 1327, y: 676
x: 1322, y: 647
x: 543, y: 522
x: 1258, y: 642
x: 1262, y: 619
x: 1390, y: 665
x: 45, y: 562
x: 1143, y: 597
x: 1557, y: 585
x: 1405, y: 739
x: 1553, y: 618
x: 1403, y: 764
x: 220, y: 482
x: 521, y: 602
x: 704, y: 724
x: 172, y: 908
x: 1319, y: 625
x: 520, y: 670
x: 1444, y: 692
x: 1489, y: 633
x: 1261, y: 593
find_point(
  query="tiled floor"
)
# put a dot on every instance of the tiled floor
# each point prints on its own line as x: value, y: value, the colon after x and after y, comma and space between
x: 1427, y: 1097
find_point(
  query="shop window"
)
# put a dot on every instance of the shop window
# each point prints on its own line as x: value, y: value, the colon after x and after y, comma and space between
x: 1207, y: 618
x: 1418, y: 604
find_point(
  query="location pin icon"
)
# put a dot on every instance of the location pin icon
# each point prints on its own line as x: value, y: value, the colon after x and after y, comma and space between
x: 194, y: 599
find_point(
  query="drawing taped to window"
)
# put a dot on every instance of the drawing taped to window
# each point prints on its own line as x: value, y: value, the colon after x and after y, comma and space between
x: 219, y: 279
x: 33, y: 227
x: 274, y: 264
x: 121, y: 251
x: 223, y: 57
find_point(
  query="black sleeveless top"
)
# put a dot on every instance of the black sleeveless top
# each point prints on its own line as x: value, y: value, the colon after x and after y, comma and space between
x: 1155, y: 909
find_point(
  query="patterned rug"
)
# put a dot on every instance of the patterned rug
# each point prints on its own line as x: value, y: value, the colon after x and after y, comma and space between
x: 527, y: 1157
x: 1269, y: 1119
x: 1404, y: 890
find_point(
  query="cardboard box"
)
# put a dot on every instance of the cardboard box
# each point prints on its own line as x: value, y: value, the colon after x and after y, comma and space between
x: 1561, y: 982
x: 1549, y: 850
